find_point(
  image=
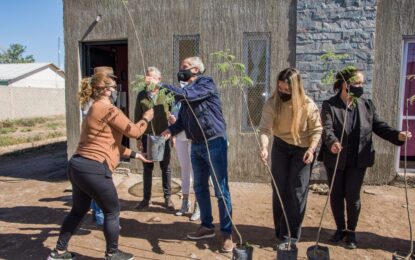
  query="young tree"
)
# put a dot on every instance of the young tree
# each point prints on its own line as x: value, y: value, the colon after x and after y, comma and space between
x: 14, y: 54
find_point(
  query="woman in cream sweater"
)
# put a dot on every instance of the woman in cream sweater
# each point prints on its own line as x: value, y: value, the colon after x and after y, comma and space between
x: 293, y: 120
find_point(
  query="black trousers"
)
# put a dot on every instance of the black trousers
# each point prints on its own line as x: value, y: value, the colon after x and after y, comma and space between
x: 292, y: 176
x: 346, y: 187
x: 165, y: 171
x: 91, y: 180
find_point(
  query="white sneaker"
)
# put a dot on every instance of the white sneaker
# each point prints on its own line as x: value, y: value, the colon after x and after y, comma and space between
x: 196, y: 213
x: 186, y: 204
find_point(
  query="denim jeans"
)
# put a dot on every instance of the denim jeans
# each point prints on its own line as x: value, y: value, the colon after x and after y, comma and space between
x: 98, y: 213
x: 202, y: 170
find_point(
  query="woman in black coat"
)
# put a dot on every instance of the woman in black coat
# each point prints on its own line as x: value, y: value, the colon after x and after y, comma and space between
x: 356, y: 149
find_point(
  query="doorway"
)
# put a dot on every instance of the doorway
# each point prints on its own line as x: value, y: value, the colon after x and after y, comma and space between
x: 112, y: 54
x: 407, y: 91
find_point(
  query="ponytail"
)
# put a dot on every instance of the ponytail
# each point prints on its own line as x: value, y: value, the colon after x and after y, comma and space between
x: 86, y: 91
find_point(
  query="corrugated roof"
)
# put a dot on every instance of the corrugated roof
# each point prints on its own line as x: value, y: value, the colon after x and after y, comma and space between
x: 11, y: 71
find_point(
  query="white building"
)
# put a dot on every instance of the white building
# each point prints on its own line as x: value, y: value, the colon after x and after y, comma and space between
x: 32, y: 75
x: 31, y: 90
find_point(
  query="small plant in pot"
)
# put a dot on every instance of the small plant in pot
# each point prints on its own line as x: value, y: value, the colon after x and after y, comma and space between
x: 158, y: 99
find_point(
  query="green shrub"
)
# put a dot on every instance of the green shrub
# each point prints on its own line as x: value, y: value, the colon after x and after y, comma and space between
x: 7, y: 130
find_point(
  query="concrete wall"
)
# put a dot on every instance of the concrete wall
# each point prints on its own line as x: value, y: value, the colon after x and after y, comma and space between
x: 31, y: 102
x: 221, y: 25
x: 395, y: 20
x: 46, y: 78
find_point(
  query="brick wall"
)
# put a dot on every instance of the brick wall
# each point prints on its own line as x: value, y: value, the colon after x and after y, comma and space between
x: 343, y: 26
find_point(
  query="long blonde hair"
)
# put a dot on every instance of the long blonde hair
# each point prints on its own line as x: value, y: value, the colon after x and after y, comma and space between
x: 298, y: 99
x: 91, y: 87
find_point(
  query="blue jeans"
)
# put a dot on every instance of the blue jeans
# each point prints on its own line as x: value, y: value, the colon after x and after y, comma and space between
x: 218, y: 149
x: 98, y: 213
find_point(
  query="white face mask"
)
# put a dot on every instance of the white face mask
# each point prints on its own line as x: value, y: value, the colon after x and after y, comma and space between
x: 183, y: 84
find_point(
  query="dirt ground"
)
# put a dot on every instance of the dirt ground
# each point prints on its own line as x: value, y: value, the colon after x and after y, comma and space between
x: 34, y: 203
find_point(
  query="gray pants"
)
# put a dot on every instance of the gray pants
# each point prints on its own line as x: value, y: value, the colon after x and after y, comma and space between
x: 292, y: 176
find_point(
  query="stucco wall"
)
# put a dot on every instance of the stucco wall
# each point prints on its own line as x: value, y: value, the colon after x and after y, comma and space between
x: 31, y: 102
x: 395, y: 21
x: 221, y: 25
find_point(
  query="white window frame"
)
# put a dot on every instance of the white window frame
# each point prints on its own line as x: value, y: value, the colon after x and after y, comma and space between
x: 405, y: 44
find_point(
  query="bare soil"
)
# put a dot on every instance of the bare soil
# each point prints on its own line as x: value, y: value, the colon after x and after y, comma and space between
x: 34, y: 203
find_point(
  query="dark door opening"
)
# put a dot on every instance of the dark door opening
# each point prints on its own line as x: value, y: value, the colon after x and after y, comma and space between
x: 113, y: 54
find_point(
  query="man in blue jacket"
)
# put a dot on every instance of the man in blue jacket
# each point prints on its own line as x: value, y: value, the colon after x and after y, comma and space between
x: 201, y: 118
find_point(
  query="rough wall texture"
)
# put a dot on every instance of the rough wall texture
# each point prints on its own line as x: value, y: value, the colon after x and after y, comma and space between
x: 395, y: 20
x: 343, y: 26
x: 31, y: 102
x: 221, y: 25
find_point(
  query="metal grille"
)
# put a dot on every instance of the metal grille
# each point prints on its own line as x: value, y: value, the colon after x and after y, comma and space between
x: 256, y: 57
x: 184, y: 46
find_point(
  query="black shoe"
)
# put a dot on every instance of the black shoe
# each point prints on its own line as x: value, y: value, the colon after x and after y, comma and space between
x: 338, y: 236
x: 168, y: 204
x: 120, y: 255
x: 351, y: 240
x: 54, y: 255
x: 144, y: 204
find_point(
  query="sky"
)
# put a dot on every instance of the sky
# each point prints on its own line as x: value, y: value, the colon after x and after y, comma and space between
x: 36, y: 24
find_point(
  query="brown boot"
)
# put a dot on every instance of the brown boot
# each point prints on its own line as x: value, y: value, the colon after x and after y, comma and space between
x: 201, y: 233
x: 227, y: 243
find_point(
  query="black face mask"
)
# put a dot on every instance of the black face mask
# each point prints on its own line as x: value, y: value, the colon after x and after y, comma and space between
x: 356, y: 91
x: 184, y: 75
x: 284, y: 96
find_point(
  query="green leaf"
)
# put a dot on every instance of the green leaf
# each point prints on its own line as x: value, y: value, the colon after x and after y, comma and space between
x: 222, y: 67
x: 230, y: 57
x: 234, y: 81
x: 247, y: 81
x: 328, y: 78
x: 239, y: 67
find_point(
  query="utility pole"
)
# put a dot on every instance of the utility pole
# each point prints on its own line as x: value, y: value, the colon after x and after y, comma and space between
x: 59, y: 52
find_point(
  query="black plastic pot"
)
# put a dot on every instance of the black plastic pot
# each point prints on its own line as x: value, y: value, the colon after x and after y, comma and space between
x: 284, y: 252
x: 242, y: 252
x: 155, y: 148
x: 321, y: 253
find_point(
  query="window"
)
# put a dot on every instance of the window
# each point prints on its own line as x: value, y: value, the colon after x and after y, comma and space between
x: 256, y: 57
x: 184, y: 46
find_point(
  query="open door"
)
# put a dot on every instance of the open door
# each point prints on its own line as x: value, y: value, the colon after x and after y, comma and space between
x: 113, y: 54
x: 407, y: 91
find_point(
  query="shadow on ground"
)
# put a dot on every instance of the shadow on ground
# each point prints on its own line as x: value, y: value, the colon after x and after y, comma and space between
x: 45, y: 163
x: 366, y: 240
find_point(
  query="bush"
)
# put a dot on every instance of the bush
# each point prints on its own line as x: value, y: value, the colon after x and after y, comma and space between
x: 7, y: 130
